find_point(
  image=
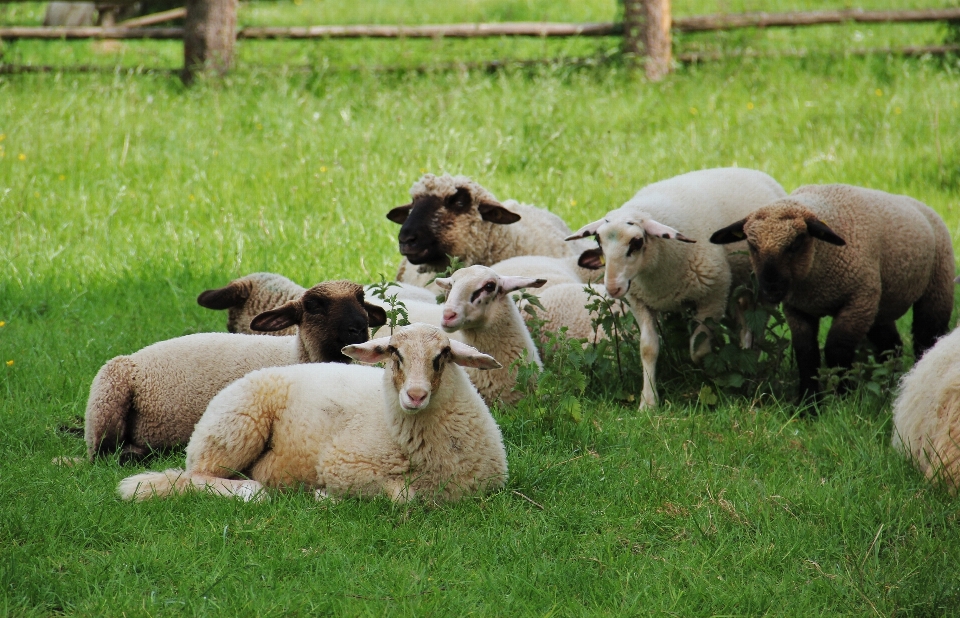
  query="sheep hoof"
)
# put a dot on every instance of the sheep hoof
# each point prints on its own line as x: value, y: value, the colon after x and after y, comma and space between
x: 248, y: 492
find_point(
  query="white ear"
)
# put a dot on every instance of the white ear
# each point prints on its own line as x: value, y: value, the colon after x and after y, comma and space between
x: 589, y: 229
x: 652, y: 228
x: 370, y: 352
x: 509, y: 283
x: 444, y: 284
x: 468, y: 356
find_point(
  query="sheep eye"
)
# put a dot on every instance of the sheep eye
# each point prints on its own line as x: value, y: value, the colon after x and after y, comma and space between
x: 635, y: 245
x: 490, y: 287
x: 797, y: 244
x: 312, y: 304
x: 436, y: 362
x: 396, y: 353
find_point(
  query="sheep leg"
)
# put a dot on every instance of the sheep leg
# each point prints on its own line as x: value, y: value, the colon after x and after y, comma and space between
x: 884, y: 338
x: 850, y: 326
x: 804, y: 329
x: 931, y: 320
x: 649, y: 351
x: 744, y: 305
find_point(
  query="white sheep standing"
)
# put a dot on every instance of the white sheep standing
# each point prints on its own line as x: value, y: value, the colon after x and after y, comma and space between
x: 655, y: 267
x: 417, y: 428
x: 478, y: 307
x: 454, y: 215
x: 926, y: 414
x: 152, y: 399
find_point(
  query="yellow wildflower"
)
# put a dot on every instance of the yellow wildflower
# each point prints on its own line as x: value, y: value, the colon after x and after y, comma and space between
x: 2, y: 323
x: 22, y: 157
x: 323, y: 168
x: 693, y: 110
x: 573, y: 202
x: 897, y: 111
x: 878, y: 92
x: 62, y: 177
x: 750, y: 105
x: 3, y: 136
x: 10, y: 363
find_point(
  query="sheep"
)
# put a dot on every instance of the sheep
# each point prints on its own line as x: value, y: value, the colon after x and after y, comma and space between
x: 926, y: 414
x: 565, y: 305
x: 151, y: 399
x: 249, y: 296
x: 878, y: 254
x: 478, y: 307
x: 557, y: 271
x: 455, y: 216
x: 417, y: 428
x: 657, y: 268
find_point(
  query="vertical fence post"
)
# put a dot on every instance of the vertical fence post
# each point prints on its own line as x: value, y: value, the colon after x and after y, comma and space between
x: 646, y: 34
x: 209, y: 34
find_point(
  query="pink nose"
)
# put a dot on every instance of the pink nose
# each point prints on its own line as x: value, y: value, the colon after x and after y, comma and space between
x: 615, y: 290
x: 416, y: 396
x: 449, y: 315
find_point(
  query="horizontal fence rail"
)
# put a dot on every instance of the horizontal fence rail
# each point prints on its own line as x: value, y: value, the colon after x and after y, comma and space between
x: 701, y: 23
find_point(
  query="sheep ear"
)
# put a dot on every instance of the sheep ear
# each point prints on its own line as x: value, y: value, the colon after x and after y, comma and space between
x: 444, y: 283
x: 659, y: 230
x: 284, y: 316
x: 232, y: 295
x: 495, y: 213
x: 373, y: 351
x: 400, y: 213
x: 591, y: 259
x: 819, y: 230
x: 468, y: 356
x: 730, y: 234
x: 589, y: 229
x: 510, y: 284
x: 376, y: 316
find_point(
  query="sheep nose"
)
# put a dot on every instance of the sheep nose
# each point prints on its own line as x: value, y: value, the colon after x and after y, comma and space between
x: 407, y: 236
x: 615, y: 290
x: 449, y: 315
x: 416, y: 396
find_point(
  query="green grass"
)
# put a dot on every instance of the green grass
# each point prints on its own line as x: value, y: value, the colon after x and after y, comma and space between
x: 134, y: 194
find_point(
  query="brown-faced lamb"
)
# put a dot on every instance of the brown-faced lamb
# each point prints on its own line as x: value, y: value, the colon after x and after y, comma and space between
x: 249, y: 296
x: 859, y: 255
x: 415, y: 429
x: 926, y: 414
x: 453, y: 215
x: 651, y: 257
x: 153, y: 398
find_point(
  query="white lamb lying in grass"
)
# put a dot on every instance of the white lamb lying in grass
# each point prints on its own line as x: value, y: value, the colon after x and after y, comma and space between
x: 417, y: 428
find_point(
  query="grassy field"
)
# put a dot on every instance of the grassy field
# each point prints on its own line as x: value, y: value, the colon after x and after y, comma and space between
x: 123, y: 195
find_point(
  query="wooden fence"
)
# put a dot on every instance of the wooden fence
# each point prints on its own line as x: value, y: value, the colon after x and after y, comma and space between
x: 210, y: 30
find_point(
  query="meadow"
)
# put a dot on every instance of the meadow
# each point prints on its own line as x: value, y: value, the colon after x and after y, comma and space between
x: 124, y: 194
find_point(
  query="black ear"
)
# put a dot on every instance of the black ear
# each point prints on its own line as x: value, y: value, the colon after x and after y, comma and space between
x: 376, y: 316
x: 284, y: 316
x: 232, y: 295
x: 495, y: 213
x: 592, y: 259
x: 819, y: 230
x: 400, y: 213
x: 730, y: 234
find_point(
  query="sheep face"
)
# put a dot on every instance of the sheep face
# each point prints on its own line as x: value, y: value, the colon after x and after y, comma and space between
x: 330, y: 315
x: 448, y: 215
x: 782, y: 248
x: 415, y: 358
x: 474, y: 294
x: 627, y: 246
x: 248, y: 296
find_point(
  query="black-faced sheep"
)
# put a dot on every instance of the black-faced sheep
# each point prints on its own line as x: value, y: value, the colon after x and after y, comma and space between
x: 417, y: 428
x: 453, y: 215
x: 152, y: 399
x: 649, y: 250
x: 859, y: 255
x: 926, y: 414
